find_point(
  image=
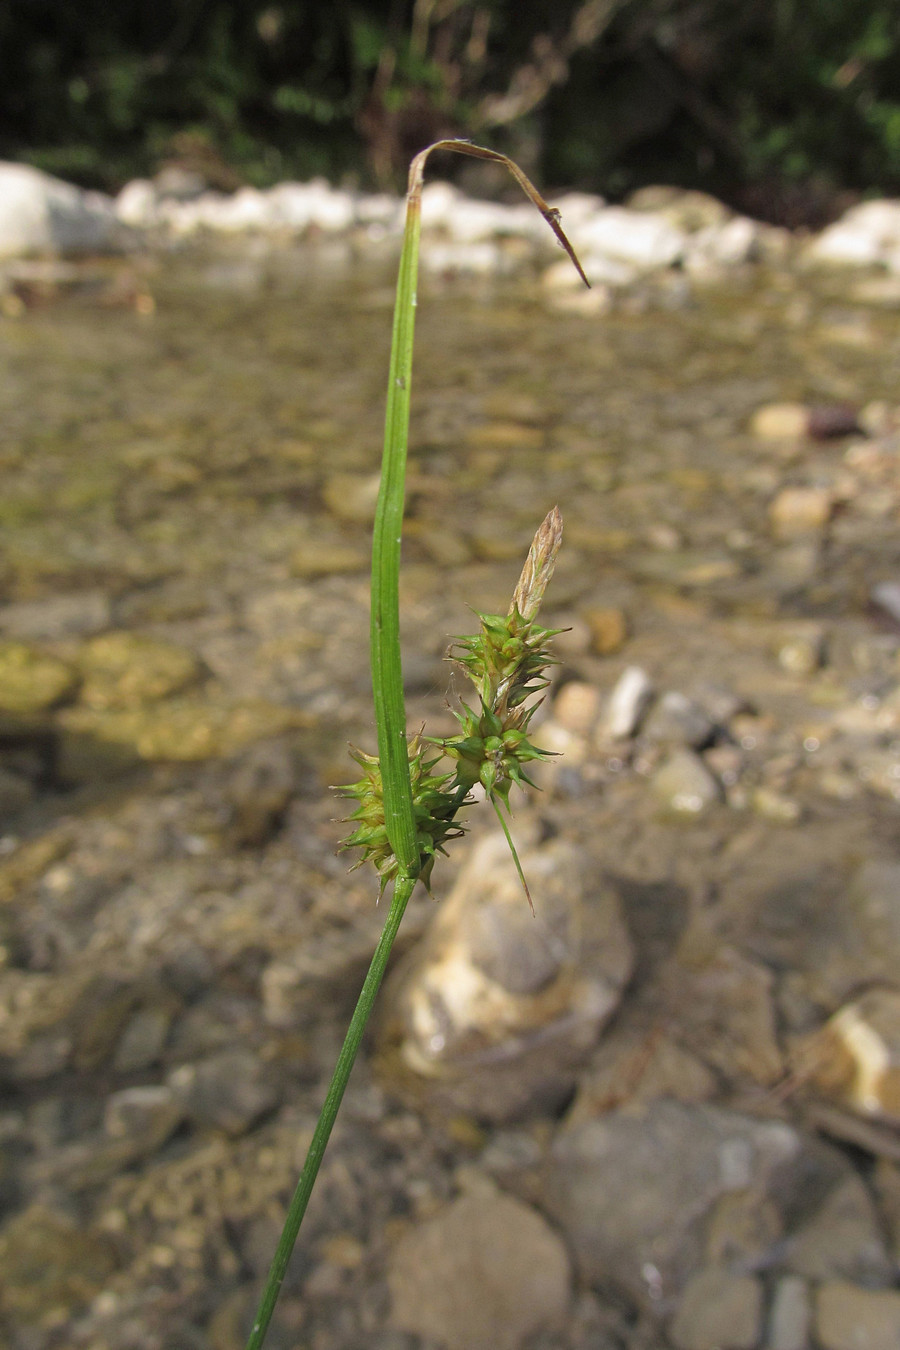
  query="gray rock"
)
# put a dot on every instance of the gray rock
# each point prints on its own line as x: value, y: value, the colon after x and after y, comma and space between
x: 678, y: 720
x: 143, y: 1038
x: 684, y: 785
x: 842, y: 1240
x: 723, y: 1007
x: 790, y: 1315
x: 57, y: 616
x: 40, y: 214
x: 15, y: 793
x: 143, y: 1116
x: 634, y: 1190
x: 483, y: 1274
x: 495, y: 1009
x: 833, y: 933
x: 744, y: 1230
x: 228, y: 1091
x: 259, y: 791
x: 850, y: 1318
x: 886, y: 595
x: 637, y: 1069
x: 718, y: 1311
x: 868, y: 946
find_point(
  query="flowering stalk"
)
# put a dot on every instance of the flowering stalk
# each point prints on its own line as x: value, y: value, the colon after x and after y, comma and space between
x: 405, y: 810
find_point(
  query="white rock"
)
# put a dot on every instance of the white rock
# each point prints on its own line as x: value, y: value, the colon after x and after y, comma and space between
x: 575, y: 208
x: 865, y: 235
x: 633, y: 237
x: 479, y: 259
x: 720, y: 246
x: 40, y: 214
x: 470, y: 221
x: 184, y: 218
x: 600, y: 271
x: 136, y: 204
x: 301, y: 205
x: 380, y: 209
x: 628, y: 702
x: 438, y: 204
x: 246, y: 209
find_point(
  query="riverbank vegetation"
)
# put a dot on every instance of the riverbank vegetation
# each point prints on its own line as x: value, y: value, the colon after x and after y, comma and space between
x: 783, y: 109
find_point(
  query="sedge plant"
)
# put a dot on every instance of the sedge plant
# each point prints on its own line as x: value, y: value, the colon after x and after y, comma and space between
x: 410, y: 793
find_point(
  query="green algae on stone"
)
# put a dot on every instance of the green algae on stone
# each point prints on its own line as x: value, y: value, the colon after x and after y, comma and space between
x: 125, y: 670
x: 30, y: 681
x: 183, y: 729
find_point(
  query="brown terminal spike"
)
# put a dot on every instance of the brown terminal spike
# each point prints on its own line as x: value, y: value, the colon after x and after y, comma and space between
x: 538, y: 567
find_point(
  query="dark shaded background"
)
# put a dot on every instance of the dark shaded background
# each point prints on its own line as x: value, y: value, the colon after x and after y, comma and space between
x: 786, y: 108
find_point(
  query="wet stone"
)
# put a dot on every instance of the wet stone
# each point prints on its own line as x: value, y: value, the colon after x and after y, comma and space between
x: 636, y: 1070
x: 145, y: 1117
x: 633, y: 1190
x: 50, y: 1266
x: 843, y: 1240
x: 608, y: 628
x: 685, y: 786
x: 495, y: 1009
x: 16, y: 792
x: 228, y: 1091
x: 126, y: 670
x: 728, y: 1016
x: 350, y: 496
x: 776, y: 806
x: 57, y: 617
x: 576, y: 707
x: 780, y: 422
x: 143, y: 1037
x: 31, y: 682
x: 259, y: 790
x: 484, y: 1274
x: 803, y: 654
x: 790, y: 1315
x: 718, y: 1311
x: 677, y: 720
x: 850, y: 1318
x: 855, y: 1057
x: 800, y: 511
x: 743, y: 1231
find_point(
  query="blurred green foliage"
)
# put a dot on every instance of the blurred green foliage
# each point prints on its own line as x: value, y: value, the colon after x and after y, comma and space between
x: 770, y: 101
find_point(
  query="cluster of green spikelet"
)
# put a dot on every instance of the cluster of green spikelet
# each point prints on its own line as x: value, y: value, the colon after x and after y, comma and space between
x: 505, y: 662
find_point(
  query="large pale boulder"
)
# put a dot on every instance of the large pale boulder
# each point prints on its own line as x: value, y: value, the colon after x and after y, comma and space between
x: 40, y: 214
x: 867, y: 235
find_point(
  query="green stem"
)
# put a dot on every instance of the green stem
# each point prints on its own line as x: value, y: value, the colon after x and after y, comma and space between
x: 403, y: 889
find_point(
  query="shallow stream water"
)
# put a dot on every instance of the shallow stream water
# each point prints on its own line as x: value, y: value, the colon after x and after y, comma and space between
x: 198, y: 477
